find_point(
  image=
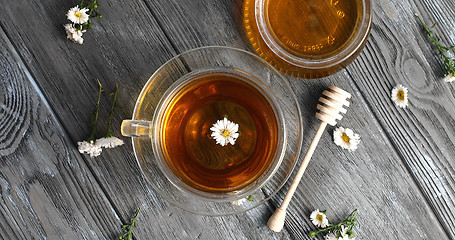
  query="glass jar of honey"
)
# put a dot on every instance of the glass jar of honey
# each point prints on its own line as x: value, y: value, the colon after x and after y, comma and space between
x: 307, y: 38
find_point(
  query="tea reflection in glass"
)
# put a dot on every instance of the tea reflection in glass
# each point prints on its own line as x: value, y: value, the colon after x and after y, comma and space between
x: 190, y: 151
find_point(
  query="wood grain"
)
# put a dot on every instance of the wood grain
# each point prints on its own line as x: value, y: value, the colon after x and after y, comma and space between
x: 126, y: 50
x: 46, y: 190
x: 424, y: 133
x: 198, y: 27
x: 400, y: 178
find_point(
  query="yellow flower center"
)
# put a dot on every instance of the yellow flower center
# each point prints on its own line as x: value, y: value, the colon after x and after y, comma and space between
x: 225, y: 133
x: 400, y: 95
x: 78, y: 15
x: 319, y: 217
x: 345, y: 137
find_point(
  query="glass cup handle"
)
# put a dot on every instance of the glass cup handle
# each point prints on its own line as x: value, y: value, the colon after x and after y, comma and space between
x: 136, y: 128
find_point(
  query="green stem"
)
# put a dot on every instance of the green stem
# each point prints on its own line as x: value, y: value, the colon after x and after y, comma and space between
x: 95, y: 113
x: 448, y: 63
x: 129, y: 233
x: 90, y: 5
x: 125, y: 115
x: 91, y: 10
x: 350, y: 220
x: 111, y: 114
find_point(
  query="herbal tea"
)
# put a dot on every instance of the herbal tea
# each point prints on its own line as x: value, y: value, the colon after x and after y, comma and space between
x: 191, y: 152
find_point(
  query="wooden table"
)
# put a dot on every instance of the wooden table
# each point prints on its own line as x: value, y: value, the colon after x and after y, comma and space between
x: 401, y: 178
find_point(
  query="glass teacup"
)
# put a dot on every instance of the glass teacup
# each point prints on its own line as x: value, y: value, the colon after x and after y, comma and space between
x: 177, y: 110
x: 183, y: 127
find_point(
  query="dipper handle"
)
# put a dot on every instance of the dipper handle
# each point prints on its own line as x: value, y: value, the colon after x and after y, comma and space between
x: 330, y: 106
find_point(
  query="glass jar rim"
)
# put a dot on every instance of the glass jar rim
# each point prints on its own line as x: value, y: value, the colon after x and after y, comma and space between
x: 261, y: 15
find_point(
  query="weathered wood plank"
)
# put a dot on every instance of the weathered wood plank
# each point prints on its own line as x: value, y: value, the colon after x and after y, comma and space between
x: 388, y: 193
x: 125, y: 57
x: 127, y: 50
x: 399, y: 52
x: 46, y: 189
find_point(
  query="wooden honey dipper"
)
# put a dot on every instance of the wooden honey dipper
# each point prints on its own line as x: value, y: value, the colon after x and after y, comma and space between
x: 329, y: 108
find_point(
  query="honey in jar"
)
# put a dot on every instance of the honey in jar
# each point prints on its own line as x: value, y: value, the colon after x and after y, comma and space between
x: 307, y: 38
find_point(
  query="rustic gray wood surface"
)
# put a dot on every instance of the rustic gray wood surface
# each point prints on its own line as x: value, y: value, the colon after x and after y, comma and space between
x: 401, y: 178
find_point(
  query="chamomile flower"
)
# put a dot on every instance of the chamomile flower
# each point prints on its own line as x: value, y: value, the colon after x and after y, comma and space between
x: 89, y: 147
x: 109, y: 142
x: 400, y: 96
x: 92, y: 147
x: 225, y: 131
x: 446, y: 53
x: 449, y: 77
x: 81, y: 18
x: 239, y: 202
x: 346, y: 138
x: 73, y: 34
x: 77, y: 15
x: 341, y: 231
x: 319, y: 219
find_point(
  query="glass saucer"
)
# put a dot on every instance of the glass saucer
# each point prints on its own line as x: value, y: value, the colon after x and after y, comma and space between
x: 209, y: 58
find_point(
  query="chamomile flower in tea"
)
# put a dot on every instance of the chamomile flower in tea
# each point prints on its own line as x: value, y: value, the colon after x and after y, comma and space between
x: 225, y: 131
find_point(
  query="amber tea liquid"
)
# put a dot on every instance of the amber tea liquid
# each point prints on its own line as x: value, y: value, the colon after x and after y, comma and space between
x: 191, y: 153
x: 304, y: 29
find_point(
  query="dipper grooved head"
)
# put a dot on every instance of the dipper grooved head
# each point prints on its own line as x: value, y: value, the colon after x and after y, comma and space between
x: 331, y: 105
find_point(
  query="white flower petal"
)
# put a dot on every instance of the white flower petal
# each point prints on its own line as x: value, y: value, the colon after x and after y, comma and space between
x: 353, y: 138
x: 224, y: 132
x: 77, y: 16
x: 402, y: 103
x: 90, y: 148
x: 449, y: 77
x: 225, y: 123
x: 80, y: 40
x: 69, y: 27
x: 331, y: 236
x: 110, y: 142
x: 239, y: 201
x: 235, y: 136
x: 222, y: 141
x: 319, y: 219
x: 73, y: 34
x: 234, y: 127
